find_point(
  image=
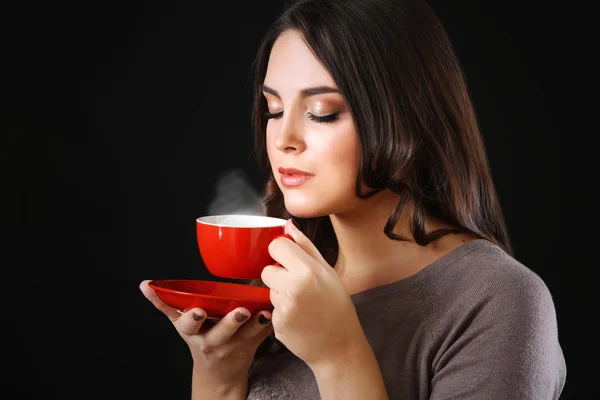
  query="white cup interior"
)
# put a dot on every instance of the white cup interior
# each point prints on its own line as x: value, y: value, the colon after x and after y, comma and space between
x: 241, y: 221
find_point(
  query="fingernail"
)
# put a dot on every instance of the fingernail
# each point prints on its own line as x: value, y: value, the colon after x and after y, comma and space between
x: 240, y: 317
x: 197, y: 317
x: 263, y: 320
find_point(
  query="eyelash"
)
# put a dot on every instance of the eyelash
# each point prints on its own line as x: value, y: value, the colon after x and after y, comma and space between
x: 314, y: 118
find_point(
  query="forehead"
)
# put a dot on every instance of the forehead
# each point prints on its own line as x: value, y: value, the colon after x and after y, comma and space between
x: 293, y: 66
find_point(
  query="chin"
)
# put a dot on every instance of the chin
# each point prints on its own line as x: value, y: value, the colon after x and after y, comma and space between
x: 305, y: 207
x: 303, y: 212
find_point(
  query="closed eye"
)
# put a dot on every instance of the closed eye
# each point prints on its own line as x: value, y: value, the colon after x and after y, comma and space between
x: 325, y: 118
x: 269, y: 115
x: 318, y: 119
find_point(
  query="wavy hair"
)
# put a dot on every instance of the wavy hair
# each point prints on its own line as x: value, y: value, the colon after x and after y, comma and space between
x: 403, y: 85
x: 397, y: 72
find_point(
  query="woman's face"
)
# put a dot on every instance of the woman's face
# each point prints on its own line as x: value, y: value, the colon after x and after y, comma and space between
x: 311, y: 139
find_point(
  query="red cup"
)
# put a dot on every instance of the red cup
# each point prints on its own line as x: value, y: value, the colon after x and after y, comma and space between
x: 237, y: 246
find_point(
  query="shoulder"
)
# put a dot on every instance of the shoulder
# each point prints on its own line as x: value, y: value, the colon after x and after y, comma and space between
x: 488, y: 294
x: 494, y: 317
x: 491, y: 280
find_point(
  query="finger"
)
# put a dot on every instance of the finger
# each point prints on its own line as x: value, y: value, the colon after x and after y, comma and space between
x: 304, y: 243
x: 288, y: 254
x: 226, y: 327
x: 258, y: 328
x: 151, y: 295
x: 190, y: 322
x: 275, y: 298
x: 208, y: 324
x: 275, y: 278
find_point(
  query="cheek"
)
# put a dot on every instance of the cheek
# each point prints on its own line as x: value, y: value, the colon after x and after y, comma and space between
x: 340, y: 152
x: 271, y: 151
x: 346, y: 170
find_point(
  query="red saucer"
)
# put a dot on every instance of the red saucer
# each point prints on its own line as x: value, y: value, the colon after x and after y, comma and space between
x: 216, y: 298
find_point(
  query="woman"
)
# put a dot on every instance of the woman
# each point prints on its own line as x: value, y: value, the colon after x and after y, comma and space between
x: 400, y: 282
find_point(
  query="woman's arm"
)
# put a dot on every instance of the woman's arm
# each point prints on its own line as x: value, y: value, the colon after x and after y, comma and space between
x: 203, y: 389
x: 357, y: 376
x: 222, y: 351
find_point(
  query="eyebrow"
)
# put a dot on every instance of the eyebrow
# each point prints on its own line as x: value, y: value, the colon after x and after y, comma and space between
x: 311, y: 91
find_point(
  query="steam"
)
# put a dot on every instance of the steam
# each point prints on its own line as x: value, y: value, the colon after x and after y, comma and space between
x: 235, y: 195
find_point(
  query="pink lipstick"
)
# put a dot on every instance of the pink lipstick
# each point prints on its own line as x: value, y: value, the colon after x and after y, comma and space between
x: 291, y: 177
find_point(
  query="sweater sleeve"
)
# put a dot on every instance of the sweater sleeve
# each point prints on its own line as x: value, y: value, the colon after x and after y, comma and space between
x: 501, y: 343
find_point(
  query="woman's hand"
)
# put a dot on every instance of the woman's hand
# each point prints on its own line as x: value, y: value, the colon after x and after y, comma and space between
x: 223, y: 351
x: 313, y: 314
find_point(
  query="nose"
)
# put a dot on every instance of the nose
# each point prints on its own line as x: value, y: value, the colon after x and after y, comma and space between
x: 289, y: 137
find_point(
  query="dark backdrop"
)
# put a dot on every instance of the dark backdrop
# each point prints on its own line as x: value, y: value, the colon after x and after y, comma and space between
x: 120, y: 119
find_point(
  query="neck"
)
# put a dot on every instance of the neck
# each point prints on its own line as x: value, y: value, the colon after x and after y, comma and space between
x: 368, y: 258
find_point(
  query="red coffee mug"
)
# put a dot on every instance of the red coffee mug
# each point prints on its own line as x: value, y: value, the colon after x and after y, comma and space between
x: 237, y: 246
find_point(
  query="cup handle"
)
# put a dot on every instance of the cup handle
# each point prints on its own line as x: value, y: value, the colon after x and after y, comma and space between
x: 285, y: 235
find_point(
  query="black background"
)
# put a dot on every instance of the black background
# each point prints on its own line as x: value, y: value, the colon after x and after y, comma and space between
x: 120, y: 119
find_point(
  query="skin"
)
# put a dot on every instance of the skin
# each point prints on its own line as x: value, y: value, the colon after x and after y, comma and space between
x: 332, y: 343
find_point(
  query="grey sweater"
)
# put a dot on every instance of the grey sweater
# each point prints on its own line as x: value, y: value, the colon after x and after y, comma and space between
x: 475, y: 324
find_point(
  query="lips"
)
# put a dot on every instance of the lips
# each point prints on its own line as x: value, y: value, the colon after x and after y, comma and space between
x: 292, y: 171
x: 292, y: 177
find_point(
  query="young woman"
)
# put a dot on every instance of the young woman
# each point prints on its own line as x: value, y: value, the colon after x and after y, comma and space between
x: 400, y: 283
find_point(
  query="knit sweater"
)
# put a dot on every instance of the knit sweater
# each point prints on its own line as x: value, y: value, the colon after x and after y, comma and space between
x: 475, y: 324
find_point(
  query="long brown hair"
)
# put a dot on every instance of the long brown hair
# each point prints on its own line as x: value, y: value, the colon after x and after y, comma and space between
x: 397, y: 72
x: 419, y: 137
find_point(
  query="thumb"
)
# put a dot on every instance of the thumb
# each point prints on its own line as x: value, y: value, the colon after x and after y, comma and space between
x: 303, y: 242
